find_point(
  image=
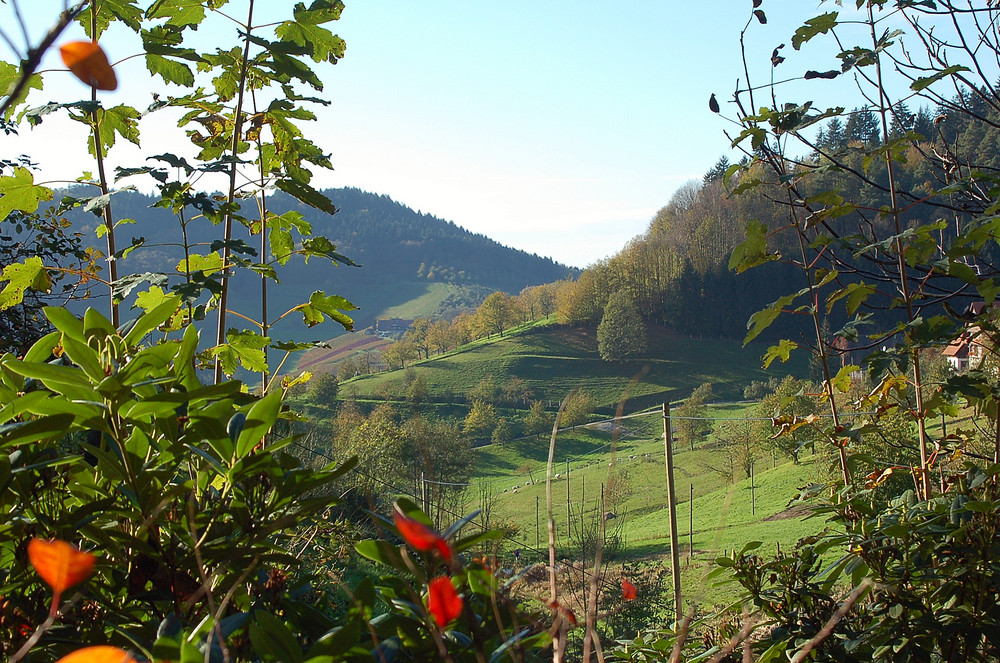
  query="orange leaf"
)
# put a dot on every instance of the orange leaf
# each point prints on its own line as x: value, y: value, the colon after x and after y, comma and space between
x: 628, y: 590
x: 442, y: 601
x: 60, y: 564
x: 89, y: 63
x: 99, y: 654
x: 420, y: 536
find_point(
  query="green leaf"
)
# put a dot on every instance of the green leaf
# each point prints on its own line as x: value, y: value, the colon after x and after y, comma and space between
x: 321, y: 44
x: 122, y: 121
x: 63, y: 320
x: 242, y: 348
x: 152, y: 319
x: 83, y: 356
x: 19, y: 192
x: 179, y: 13
x: 41, y: 351
x: 151, y: 298
x: 260, y: 418
x: 842, y: 381
x: 756, y: 134
x: 125, y: 11
x: 473, y: 540
x: 931, y: 331
x: 762, y: 319
x: 817, y: 25
x: 161, y: 405
x: 457, y: 526
x: 382, y: 552
x: 282, y: 244
x: 927, y: 81
x: 306, y: 194
x: 856, y: 294
x: 319, y: 303
x: 321, y: 246
x: 753, y: 250
x: 980, y: 507
x: 337, y: 641
x: 775, y: 652
x: 37, y: 429
x: 9, y: 75
x: 20, y: 277
x: 209, y: 264
x: 85, y: 415
x: 781, y: 351
x: 272, y: 640
x: 170, y: 71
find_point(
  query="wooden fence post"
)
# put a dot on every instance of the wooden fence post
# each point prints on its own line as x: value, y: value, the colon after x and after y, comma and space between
x: 672, y: 511
x: 690, y: 522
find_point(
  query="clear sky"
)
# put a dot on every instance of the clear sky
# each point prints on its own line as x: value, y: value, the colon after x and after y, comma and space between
x: 555, y: 127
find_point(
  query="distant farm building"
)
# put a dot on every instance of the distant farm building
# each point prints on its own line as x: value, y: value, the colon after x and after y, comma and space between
x: 967, y: 350
x: 964, y: 352
x: 392, y: 326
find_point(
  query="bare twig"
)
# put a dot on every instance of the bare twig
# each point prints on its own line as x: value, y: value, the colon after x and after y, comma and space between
x: 30, y: 65
x: 827, y: 629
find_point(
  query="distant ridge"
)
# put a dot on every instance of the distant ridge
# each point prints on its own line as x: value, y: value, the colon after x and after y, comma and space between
x: 403, y: 255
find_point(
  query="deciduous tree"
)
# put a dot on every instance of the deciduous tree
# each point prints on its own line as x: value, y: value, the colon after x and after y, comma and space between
x: 622, y: 332
x: 691, y: 422
x: 537, y: 420
x: 480, y: 421
x: 497, y: 313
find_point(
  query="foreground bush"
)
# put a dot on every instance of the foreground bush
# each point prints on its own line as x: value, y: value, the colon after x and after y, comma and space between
x: 188, y: 522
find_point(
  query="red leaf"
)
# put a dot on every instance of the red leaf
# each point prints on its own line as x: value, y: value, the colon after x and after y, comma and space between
x: 99, y: 654
x: 420, y: 536
x: 442, y: 601
x: 628, y: 590
x: 88, y: 62
x: 60, y: 564
x: 565, y: 612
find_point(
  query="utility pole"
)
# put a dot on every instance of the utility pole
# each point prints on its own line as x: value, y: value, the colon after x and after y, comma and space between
x: 672, y: 511
x: 536, y: 522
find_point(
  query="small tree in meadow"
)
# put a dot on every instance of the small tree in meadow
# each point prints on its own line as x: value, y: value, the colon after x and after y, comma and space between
x: 579, y: 406
x: 622, y: 333
x: 537, y: 421
x: 502, y: 433
x: 691, y: 422
x: 481, y: 420
x: 323, y: 389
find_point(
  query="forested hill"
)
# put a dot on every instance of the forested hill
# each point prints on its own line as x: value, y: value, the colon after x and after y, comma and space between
x: 392, y: 244
x: 395, y: 243
x: 677, y: 273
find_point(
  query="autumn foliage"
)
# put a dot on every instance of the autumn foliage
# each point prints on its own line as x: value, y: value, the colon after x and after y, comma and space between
x: 60, y: 564
x: 88, y: 62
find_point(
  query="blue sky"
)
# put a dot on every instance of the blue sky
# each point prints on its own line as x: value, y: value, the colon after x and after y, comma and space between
x: 555, y: 127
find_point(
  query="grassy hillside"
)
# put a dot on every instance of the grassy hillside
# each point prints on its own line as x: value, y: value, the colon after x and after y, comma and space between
x: 726, y: 515
x: 323, y: 360
x: 553, y: 360
x: 428, y: 297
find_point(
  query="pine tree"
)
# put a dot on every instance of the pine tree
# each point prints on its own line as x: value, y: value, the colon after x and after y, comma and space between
x: 718, y: 171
